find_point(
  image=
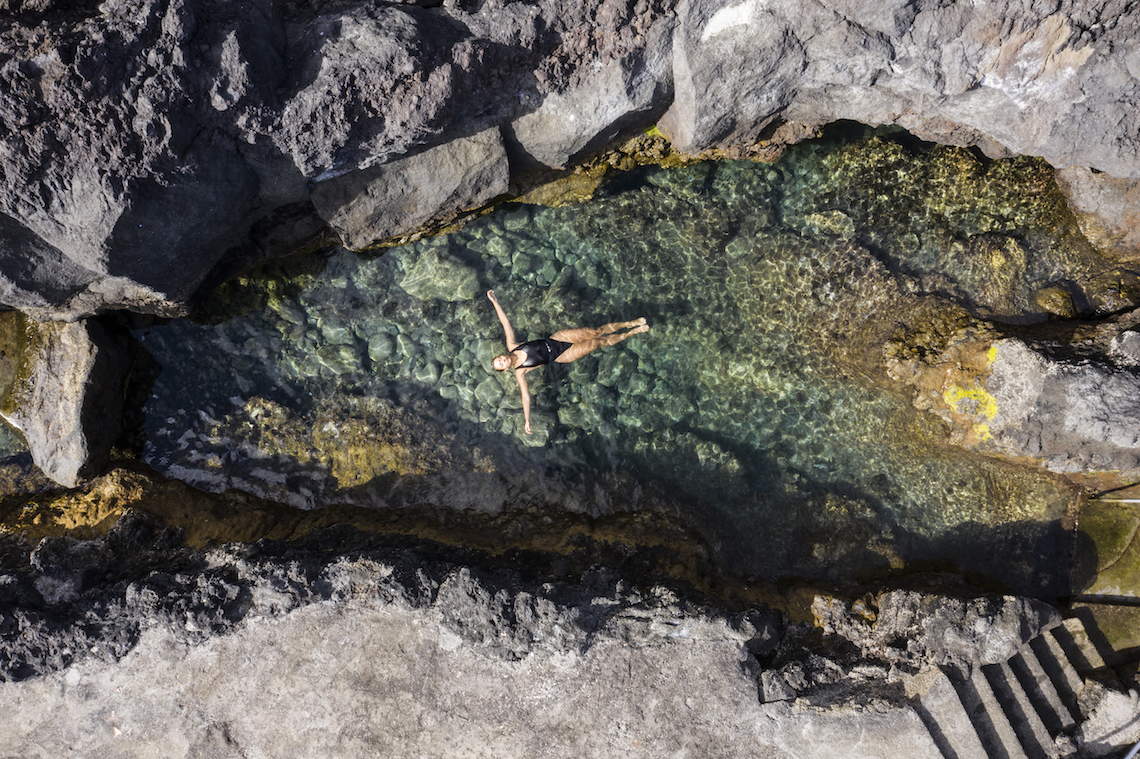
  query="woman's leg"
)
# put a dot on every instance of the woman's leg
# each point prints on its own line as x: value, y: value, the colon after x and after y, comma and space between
x: 581, y: 334
x: 579, y: 349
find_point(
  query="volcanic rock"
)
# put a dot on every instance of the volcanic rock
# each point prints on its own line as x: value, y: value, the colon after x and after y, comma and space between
x: 1107, y: 207
x: 369, y: 206
x: 1072, y: 415
x: 1012, y: 80
x: 144, y: 141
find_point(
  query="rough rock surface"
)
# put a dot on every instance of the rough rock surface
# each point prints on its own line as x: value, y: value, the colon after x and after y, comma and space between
x: 145, y: 141
x: 369, y: 206
x: 132, y: 643
x: 349, y: 644
x: 72, y: 600
x: 1108, y: 208
x: 1069, y: 406
x: 68, y: 397
x: 959, y: 633
x: 1112, y: 722
x: 343, y: 645
x: 1071, y: 415
x: 978, y: 74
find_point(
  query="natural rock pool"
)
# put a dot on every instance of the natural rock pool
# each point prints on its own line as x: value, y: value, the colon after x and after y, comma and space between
x: 756, y: 409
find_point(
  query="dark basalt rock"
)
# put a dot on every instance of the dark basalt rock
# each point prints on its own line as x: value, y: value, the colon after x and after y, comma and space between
x: 81, y: 599
x: 144, y: 141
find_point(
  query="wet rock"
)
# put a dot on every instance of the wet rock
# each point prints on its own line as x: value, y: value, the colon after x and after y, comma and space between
x: 436, y: 274
x: 370, y: 206
x: 68, y: 397
x: 1111, y: 528
x: 1057, y: 301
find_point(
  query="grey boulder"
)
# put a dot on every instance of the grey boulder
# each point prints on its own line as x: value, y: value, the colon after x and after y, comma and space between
x: 1014, y: 79
x: 1071, y: 414
x: 68, y: 396
x: 369, y: 206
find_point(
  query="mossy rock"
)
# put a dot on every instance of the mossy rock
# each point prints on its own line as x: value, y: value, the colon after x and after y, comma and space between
x: 1117, y: 626
x: 1114, y: 531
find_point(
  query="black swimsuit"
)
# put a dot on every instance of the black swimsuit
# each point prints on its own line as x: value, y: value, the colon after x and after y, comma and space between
x: 539, y: 352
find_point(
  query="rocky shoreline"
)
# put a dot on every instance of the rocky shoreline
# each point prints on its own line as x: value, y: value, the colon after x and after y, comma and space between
x: 343, y: 644
x: 154, y: 147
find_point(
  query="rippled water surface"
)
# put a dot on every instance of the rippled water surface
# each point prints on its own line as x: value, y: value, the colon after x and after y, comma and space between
x: 756, y: 408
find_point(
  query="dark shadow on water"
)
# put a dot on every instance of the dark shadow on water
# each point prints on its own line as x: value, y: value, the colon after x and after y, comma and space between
x: 1029, y: 558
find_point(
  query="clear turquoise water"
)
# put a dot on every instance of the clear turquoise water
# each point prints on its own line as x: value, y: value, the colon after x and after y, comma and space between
x: 756, y: 408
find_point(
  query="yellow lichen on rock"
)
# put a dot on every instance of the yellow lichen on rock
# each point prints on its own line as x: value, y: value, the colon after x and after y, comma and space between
x: 973, y: 401
x: 947, y: 358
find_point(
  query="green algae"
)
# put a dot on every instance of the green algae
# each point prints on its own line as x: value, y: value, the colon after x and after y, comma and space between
x: 17, y: 340
x: 1112, y: 529
x: 757, y: 408
x: 991, y: 234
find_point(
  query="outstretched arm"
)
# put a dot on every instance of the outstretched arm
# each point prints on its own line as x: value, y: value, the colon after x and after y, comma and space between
x: 512, y: 343
x: 520, y: 375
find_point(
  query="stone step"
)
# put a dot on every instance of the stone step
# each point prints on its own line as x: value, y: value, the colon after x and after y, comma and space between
x: 1061, y: 672
x: 1082, y: 652
x: 1038, y: 685
x: 946, y: 719
x: 1025, y: 708
x: 997, y: 735
x: 1020, y: 711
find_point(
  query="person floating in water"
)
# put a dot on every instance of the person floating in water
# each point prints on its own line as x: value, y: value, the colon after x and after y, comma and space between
x: 563, y: 347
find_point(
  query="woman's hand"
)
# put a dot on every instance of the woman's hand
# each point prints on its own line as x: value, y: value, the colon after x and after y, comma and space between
x: 527, y: 428
x: 491, y: 296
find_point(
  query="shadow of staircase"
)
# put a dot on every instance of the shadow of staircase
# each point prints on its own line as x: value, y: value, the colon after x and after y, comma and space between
x: 1024, y: 708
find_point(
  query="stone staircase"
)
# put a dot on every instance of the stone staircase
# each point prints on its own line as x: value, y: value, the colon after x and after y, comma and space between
x: 1025, y: 708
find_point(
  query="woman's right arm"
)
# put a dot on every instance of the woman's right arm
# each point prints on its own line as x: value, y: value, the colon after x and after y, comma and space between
x: 512, y: 343
x: 520, y: 375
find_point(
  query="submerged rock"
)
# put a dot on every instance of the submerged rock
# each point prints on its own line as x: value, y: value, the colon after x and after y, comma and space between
x: 437, y: 275
x: 68, y: 397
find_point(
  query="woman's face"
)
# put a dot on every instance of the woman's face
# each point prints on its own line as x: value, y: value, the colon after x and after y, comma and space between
x: 501, y: 363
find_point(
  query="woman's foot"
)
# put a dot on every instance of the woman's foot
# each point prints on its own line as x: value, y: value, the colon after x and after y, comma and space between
x: 633, y: 325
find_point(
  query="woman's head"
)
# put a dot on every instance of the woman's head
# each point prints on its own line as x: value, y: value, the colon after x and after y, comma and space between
x: 502, y: 363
